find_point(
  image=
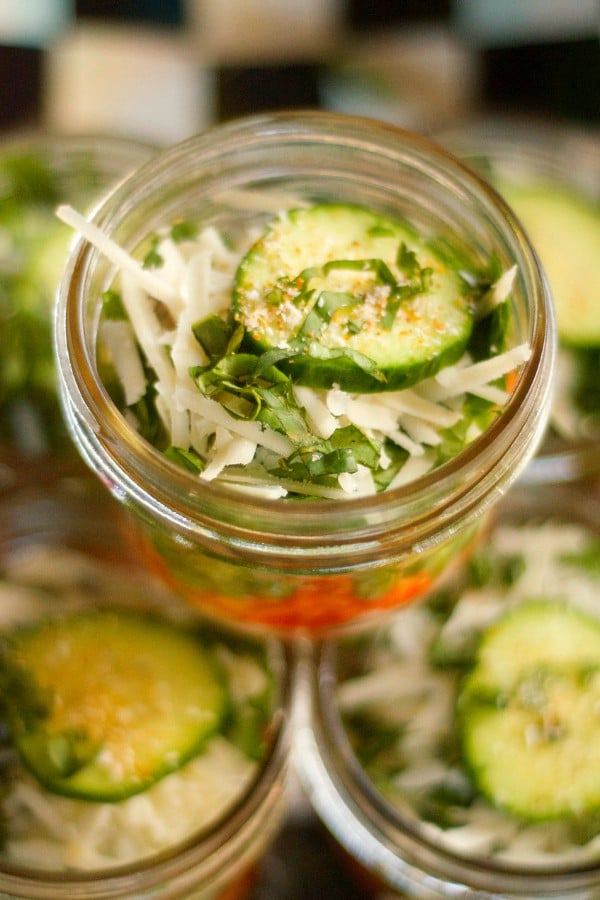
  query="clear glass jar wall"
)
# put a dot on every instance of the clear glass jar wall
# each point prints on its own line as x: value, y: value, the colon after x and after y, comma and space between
x: 316, y: 565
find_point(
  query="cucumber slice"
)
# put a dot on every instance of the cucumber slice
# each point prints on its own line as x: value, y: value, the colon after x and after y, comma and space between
x: 122, y: 700
x: 565, y: 230
x: 529, y: 712
x: 368, y: 305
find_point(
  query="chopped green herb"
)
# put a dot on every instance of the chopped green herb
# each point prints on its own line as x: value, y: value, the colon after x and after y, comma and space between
x: 588, y: 559
x: 112, y: 305
x: 184, y: 231
x: 188, y: 459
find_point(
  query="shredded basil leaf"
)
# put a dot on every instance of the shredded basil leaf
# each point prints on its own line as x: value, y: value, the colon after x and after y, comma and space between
x: 217, y: 337
x: 322, y: 312
x: 188, y: 459
x: 317, y: 463
x: 252, y: 387
x: 490, y: 334
x: 368, y: 365
x: 587, y: 559
x: 112, y: 305
x: 184, y: 231
x: 249, y: 390
x: 153, y: 259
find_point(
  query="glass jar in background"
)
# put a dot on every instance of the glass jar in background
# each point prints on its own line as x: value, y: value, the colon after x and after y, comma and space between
x: 287, y: 565
x: 38, y: 172
x: 393, y: 758
x: 550, y: 174
x: 200, y: 831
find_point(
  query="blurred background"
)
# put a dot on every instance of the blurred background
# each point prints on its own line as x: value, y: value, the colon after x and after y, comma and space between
x: 160, y: 70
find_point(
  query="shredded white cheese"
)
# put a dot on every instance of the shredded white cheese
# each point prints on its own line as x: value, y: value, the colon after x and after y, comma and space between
x: 147, y: 279
x: 458, y: 379
x: 415, y: 467
x: 229, y: 450
x: 498, y: 293
x: 119, y: 340
x: 320, y: 417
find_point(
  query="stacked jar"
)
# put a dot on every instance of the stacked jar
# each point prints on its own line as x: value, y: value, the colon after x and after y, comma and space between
x: 440, y: 777
x: 68, y: 558
x: 37, y: 172
x: 304, y: 568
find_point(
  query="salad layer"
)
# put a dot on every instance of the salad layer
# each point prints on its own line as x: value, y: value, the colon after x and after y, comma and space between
x: 332, y: 352
x: 475, y: 713
x: 126, y: 728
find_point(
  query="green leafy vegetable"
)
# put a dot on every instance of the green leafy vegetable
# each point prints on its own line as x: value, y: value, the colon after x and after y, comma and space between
x: 152, y: 258
x: 248, y: 390
x: 216, y: 337
x: 184, y: 231
x: 588, y: 559
x: 188, y: 459
x: 112, y: 305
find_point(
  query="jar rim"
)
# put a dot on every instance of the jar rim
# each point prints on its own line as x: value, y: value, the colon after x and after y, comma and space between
x: 109, y: 155
x: 450, y: 490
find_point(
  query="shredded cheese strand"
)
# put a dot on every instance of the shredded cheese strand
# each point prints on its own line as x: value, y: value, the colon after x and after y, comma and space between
x: 116, y: 254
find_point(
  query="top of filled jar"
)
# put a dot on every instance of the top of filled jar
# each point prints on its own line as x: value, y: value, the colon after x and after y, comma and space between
x: 320, y: 350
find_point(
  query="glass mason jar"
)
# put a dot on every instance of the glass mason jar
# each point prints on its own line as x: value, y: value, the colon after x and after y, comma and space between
x: 560, y: 165
x: 64, y: 549
x: 376, y: 744
x: 282, y: 564
x: 37, y: 172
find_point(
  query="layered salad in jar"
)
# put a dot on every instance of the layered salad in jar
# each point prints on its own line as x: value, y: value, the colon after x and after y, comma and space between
x: 474, y: 715
x: 306, y: 351
x: 129, y: 729
x: 334, y: 352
